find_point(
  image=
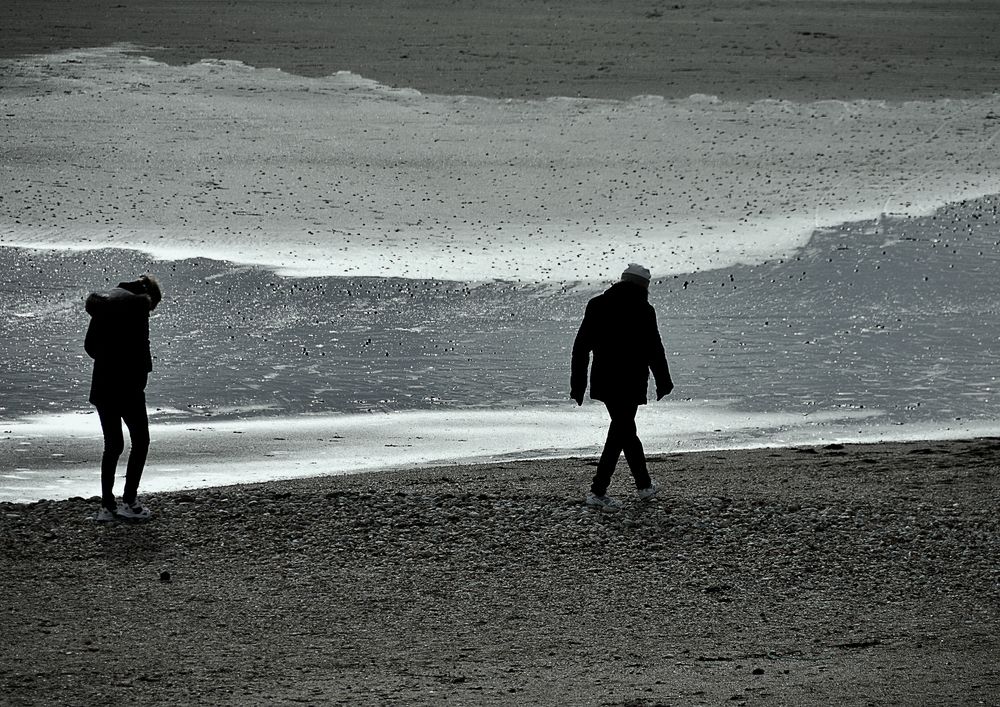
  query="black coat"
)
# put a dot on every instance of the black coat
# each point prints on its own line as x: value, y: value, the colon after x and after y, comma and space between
x: 118, y: 341
x: 619, y: 327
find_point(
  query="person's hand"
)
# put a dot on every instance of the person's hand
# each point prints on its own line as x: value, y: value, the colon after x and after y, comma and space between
x: 664, y: 391
x: 578, y: 397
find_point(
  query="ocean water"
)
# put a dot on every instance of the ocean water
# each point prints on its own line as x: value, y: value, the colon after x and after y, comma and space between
x: 359, y: 277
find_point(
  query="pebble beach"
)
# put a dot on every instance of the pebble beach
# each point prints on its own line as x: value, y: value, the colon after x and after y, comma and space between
x: 849, y: 575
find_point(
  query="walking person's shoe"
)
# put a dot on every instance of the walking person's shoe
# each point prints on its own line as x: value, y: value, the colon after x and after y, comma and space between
x: 133, y: 511
x: 648, y: 492
x: 605, y: 503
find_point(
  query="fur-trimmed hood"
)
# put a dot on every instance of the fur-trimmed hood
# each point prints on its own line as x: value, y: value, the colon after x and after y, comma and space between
x: 121, y: 300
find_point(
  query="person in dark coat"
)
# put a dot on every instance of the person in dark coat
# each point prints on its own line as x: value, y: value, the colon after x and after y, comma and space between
x: 619, y: 327
x: 118, y: 341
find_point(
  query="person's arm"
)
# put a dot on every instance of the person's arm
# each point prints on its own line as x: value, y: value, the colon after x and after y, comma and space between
x: 96, y: 339
x: 582, y: 346
x: 658, y: 360
x: 91, y: 344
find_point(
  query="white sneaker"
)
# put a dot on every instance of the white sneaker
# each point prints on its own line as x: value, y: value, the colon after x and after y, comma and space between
x: 648, y: 492
x: 605, y: 503
x: 133, y: 511
x: 106, y: 515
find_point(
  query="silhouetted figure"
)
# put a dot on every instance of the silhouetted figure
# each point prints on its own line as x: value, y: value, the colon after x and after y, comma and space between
x: 118, y: 341
x: 620, y: 328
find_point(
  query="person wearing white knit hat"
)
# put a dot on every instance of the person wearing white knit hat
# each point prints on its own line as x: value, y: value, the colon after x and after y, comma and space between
x: 620, y: 328
x: 637, y: 274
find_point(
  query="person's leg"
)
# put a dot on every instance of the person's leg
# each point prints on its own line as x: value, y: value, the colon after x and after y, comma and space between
x: 622, y: 418
x: 634, y: 453
x: 114, y: 445
x: 628, y: 438
x: 137, y: 422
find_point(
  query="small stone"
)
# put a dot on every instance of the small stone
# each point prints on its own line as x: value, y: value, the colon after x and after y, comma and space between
x: 164, y: 576
x: 758, y: 671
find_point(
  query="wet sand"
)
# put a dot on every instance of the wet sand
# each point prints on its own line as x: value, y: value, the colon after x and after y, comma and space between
x: 854, y: 575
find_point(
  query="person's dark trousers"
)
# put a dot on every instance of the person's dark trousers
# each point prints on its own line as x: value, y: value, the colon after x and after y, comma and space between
x: 133, y: 413
x: 622, y: 437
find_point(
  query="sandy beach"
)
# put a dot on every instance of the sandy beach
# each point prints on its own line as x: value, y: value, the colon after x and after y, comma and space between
x: 828, y: 574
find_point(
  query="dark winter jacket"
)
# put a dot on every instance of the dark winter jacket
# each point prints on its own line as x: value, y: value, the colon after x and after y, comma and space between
x: 620, y: 328
x: 118, y: 341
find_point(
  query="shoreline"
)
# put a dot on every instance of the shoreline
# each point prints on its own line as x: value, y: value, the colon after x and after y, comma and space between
x: 836, y: 454
x: 57, y: 458
x: 841, y: 574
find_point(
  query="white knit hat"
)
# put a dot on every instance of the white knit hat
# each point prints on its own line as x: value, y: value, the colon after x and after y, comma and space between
x: 637, y: 274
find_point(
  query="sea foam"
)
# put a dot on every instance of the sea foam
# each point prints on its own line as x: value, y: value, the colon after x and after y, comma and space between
x: 343, y: 176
